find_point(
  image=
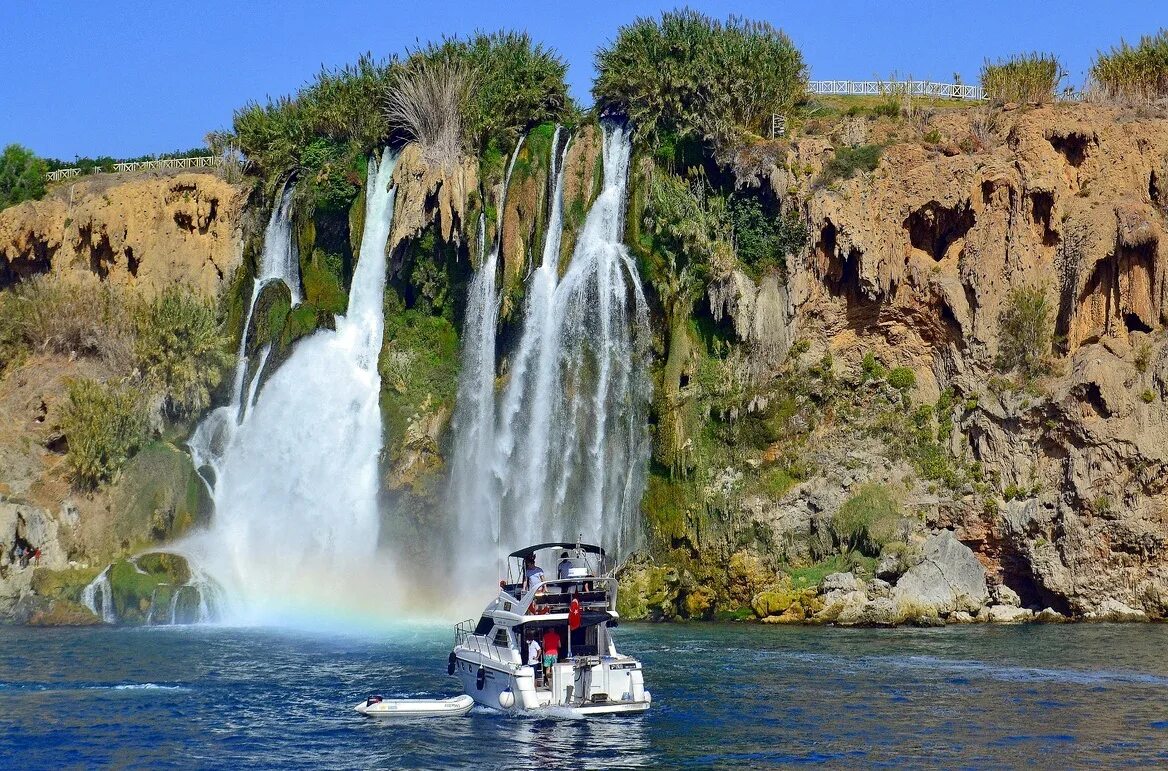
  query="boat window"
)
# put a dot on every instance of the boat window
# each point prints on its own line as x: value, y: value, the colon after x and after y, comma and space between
x: 502, y: 638
x: 484, y: 626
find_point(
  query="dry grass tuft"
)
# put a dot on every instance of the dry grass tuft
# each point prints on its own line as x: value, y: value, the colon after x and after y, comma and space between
x: 426, y: 104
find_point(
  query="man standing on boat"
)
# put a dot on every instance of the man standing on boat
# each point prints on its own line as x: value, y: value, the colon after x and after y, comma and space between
x: 534, y: 655
x: 532, y: 573
x: 551, y: 652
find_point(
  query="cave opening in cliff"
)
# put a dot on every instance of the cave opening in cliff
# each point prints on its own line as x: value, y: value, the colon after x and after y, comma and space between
x: 132, y: 262
x: 1154, y: 194
x: 1041, y: 207
x: 1073, y: 146
x: 933, y: 228
x: 101, y: 254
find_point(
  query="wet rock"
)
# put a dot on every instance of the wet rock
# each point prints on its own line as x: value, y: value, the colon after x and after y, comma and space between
x: 960, y: 617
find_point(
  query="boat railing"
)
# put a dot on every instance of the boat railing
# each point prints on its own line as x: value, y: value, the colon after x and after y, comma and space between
x: 465, y: 636
x: 556, y: 595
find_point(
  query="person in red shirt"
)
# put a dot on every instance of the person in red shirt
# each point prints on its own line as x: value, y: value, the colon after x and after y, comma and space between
x: 551, y: 651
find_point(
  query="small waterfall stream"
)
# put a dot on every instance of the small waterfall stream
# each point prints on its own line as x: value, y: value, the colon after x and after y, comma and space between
x: 565, y: 453
x: 98, y: 596
x: 295, y: 482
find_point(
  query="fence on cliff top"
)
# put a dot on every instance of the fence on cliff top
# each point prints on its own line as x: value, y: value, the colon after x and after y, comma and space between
x: 927, y: 88
x: 202, y: 162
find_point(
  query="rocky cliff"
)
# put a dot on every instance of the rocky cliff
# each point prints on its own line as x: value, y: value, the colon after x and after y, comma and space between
x: 144, y: 231
x: 1055, y: 481
x: 846, y: 436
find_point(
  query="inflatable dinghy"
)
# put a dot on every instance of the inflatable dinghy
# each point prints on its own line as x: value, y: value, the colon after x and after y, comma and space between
x: 455, y: 706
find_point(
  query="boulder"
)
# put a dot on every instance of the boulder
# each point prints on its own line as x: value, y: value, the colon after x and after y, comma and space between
x: 1006, y: 614
x: 949, y: 578
x: 840, y: 582
x: 1004, y: 595
x: 1049, y: 616
x: 1115, y: 611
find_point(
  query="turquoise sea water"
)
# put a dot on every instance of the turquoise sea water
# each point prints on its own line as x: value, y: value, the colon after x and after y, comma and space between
x: 728, y: 696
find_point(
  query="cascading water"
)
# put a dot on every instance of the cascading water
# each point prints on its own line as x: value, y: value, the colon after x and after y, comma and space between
x: 570, y: 443
x: 473, y: 488
x: 278, y: 262
x: 98, y: 596
x: 296, y: 482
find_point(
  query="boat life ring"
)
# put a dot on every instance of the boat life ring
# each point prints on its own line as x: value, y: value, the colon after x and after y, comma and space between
x: 450, y: 663
x: 481, y: 679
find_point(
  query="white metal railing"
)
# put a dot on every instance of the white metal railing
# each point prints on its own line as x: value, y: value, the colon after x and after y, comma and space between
x: 201, y: 162
x: 896, y: 87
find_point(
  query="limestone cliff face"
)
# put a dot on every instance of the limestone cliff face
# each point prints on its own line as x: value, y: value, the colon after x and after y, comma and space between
x: 143, y: 231
x: 914, y: 263
x: 431, y: 194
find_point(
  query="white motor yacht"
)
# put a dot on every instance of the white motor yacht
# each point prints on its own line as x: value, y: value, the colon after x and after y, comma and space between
x: 578, y: 606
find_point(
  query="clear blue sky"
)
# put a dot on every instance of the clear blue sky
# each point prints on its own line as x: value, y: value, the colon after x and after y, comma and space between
x: 93, y: 77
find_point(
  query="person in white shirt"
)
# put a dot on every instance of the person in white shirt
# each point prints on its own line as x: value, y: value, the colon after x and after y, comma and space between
x: 535, y: 657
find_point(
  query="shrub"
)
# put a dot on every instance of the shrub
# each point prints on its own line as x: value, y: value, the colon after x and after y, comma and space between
x: 1134, y: 74
x: 1024, y: 332
x: 22, y: 175
x: 82, y: 316
x: 902, y: 378
x: 1022, y: 78
x: 867, y: 521
x: 517, y: 84
x: 1148, y: 396
x: 104, y: 425
x: 762, y: 240
x: 181, y: 350
x: 329, y: 174
x: 691, y: 75
x: 1143, y: 357
x: 849, y: 160
x: 685, y: 223
x: 871, y: 368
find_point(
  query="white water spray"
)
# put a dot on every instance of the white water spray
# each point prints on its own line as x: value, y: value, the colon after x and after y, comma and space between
x: 570, y: 443
x: 296, y: 482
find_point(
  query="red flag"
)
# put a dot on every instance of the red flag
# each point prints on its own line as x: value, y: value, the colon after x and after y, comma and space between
x: 574, y: 614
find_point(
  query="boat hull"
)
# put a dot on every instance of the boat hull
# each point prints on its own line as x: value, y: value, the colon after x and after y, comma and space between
x: 512, y: 692
x: 456, y: 706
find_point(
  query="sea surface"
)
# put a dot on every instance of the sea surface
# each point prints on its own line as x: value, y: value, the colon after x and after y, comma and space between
x: 724, y: 696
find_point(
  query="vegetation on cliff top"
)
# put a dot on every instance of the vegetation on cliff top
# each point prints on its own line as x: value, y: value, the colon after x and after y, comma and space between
x: 1023, y: 78
x: 1134, y: 74
x: 688, y: 75
x: 22, y: 175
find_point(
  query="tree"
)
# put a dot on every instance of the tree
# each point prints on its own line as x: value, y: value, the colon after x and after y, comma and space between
x: 22, y: 176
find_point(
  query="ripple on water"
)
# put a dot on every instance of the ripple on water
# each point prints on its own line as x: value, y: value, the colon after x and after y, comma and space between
x: 724, y: 696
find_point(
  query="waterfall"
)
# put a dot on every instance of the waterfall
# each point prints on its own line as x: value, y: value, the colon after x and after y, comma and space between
x: 296, y: 481
x: 569, y: 446
x: 472, y: 484
x: 98, y: 596
x: 278, y: 262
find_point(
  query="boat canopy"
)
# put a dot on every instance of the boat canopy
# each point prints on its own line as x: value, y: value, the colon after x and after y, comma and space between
x: 531, y: 550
